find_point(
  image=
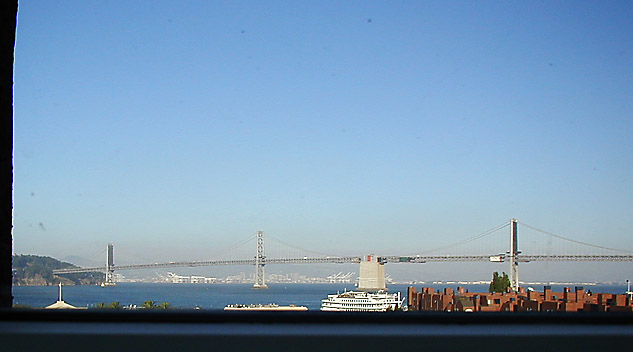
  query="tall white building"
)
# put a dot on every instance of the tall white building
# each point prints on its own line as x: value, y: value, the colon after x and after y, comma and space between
x: 372, y: 274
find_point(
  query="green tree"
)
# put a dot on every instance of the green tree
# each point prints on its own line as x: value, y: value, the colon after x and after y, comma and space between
x: 100, y: 305
x: 164, y: 305
x: 114, y: 305
x: 149, y: 304
x: 499, y: 283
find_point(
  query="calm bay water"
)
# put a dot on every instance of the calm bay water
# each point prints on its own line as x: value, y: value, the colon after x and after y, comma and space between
x: 215, y: 296
x: 205, y: 296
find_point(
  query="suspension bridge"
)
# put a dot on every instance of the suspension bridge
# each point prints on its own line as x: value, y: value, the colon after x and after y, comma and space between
x: 487, y: 246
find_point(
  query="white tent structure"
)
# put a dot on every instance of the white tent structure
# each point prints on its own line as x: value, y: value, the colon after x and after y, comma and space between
x: 60, y: 304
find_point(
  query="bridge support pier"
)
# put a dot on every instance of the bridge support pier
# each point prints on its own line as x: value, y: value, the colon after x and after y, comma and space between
x: 109, y: 269
x: 260, y: 261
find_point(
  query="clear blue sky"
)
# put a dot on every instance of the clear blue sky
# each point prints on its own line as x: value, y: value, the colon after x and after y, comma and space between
x: 177, y: 128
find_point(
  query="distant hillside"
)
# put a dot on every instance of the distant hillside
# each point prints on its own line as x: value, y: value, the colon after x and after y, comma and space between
x: 33, y: 270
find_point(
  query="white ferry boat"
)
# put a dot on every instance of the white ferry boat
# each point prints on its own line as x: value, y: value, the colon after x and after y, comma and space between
x: 359, y: 301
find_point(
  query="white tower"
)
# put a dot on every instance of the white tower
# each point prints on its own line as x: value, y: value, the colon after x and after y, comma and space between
x: 372, y: 274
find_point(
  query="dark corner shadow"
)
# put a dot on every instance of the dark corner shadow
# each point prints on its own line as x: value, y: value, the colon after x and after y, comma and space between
x: 8, y: 20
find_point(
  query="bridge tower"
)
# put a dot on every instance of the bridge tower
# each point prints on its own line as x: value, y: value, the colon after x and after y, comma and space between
x: 109, y: 269
x: 512, y: 255
x: 260, y: 261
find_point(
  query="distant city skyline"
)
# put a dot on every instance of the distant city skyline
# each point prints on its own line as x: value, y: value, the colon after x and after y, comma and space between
x: 176, y: 130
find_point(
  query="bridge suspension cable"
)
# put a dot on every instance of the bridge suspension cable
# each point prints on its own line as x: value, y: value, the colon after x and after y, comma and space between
x: 229, y: 251
x: 571, y: 240
x: 99, y: 253
x: 306, y: 251
x: 471, y: 239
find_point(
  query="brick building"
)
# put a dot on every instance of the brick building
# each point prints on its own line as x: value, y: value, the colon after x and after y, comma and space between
x: 523, y: 301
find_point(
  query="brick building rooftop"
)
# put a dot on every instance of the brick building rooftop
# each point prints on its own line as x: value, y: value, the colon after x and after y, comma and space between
x: 522, y: 301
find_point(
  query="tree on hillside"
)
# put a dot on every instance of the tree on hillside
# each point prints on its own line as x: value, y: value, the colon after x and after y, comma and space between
x: 499, y: 283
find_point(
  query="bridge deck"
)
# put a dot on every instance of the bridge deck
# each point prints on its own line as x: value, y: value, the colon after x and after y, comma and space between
x: 356, y: 260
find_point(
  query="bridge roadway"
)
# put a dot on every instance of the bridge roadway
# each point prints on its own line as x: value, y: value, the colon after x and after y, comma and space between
x: 304, y: 260
x: 356, y: 260
x: 502, y: 258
